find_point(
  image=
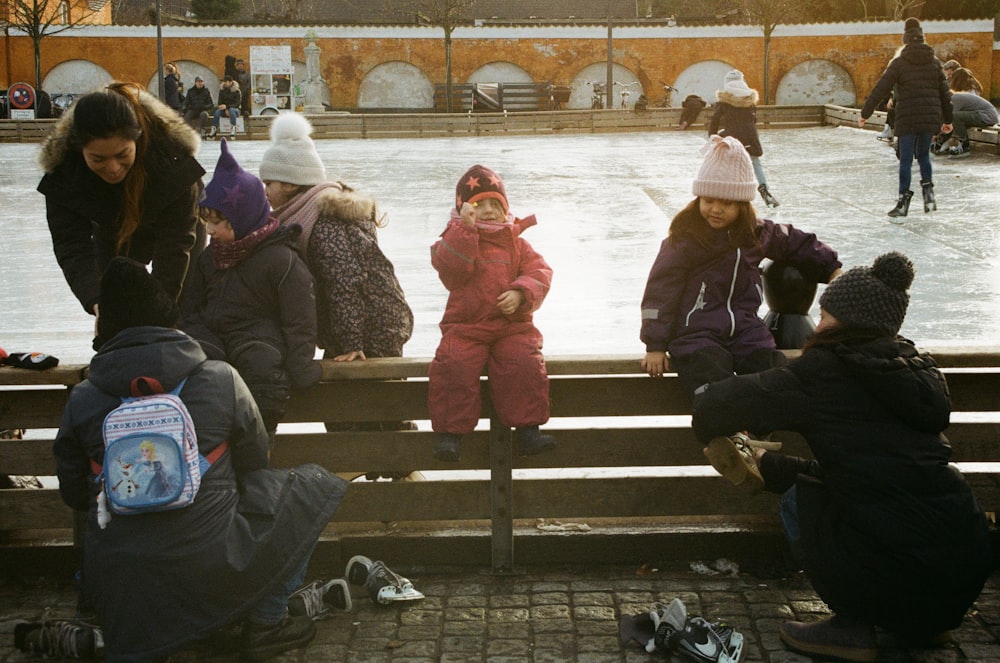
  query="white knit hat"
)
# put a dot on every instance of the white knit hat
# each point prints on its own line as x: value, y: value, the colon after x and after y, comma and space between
x: 292, y: 156
x: 735, y: 84
x: 727, y: 172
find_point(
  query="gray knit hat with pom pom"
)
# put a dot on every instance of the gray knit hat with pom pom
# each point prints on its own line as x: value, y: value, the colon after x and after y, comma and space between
x: 873, y: 297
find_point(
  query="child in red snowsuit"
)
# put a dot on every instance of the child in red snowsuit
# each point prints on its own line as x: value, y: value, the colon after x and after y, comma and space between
x: 495, y: 282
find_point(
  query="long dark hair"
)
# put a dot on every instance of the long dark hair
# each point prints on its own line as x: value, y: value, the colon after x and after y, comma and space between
x: 116, y: 111
x: 843, y: 334
x: 690, y: 223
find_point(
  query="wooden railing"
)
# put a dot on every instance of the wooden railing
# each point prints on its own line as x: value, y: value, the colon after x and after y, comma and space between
x: 427, y: 125
x: 626, y: 459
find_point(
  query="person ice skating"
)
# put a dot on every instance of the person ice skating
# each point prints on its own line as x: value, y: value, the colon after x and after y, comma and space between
x: 923, y: 107
x: 887, y: 530
x: 495, y: 282
x: 162, y: 581
x: 251, y: 299
x: 121, y: 178
x: 736, y: 115
x: 704, y: 288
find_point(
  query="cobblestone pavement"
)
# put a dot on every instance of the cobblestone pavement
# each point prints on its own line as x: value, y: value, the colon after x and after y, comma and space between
x: 546, y: 615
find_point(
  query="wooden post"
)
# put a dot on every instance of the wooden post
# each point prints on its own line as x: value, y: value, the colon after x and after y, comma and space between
x: 501, y: 498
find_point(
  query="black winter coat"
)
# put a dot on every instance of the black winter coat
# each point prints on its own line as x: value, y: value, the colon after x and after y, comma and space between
x: 923, y: 100
x: 259, y: 315
x: 164, y: 580
x: 199, y: 99
x: 172, y: 91
x: 83, y: 210
x: 891, y: 533
x: 737, y: 117
x: 230, y: 97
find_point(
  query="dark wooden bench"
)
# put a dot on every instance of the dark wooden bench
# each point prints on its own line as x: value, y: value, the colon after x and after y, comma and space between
x: 627, y: 466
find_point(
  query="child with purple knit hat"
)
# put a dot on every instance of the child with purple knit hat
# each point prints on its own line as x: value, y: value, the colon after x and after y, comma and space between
x: 251, y: 299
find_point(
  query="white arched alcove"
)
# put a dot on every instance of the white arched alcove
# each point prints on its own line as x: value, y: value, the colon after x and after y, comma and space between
x: 581, y: 88
x: 396, y: 85
x: 703, y: 79
x: 75, y: 77
x: 816, y: 82
x: 499, y: 72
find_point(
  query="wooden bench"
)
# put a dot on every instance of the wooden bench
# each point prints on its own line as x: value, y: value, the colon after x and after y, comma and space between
x: 511, y: 97
x: 627, y: 466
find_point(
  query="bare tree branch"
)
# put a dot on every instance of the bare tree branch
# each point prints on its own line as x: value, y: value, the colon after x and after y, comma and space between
x: 447, y: 14
x: 769, y: 14
x: 42, y: 18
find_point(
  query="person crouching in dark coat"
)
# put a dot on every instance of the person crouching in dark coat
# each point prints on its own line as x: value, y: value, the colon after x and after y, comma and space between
x: 251, y: 300
x: 888, y: 532
x: 162, y: 581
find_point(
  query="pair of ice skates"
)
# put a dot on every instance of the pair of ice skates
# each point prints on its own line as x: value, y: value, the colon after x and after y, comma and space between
x: 321, y: 597
x: 668, y: 629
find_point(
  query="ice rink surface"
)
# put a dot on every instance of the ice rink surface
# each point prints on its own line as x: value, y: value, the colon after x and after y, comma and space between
x: 603, y: 204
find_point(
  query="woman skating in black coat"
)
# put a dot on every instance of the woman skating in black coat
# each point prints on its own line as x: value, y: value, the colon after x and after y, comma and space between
x: 888, y: 532
x: 923, y: 108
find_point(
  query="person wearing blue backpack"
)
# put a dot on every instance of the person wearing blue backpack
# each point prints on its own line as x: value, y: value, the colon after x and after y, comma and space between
x: 234, y: 554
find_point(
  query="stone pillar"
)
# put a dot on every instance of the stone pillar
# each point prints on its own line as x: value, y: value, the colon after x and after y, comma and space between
x: 314, y: 86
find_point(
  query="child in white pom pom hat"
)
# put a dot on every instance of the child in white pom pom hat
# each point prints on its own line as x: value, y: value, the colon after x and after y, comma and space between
x: 361, y: 309
x: 736, y: 115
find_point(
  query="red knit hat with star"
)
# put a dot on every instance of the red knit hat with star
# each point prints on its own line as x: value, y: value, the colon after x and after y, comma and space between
x: 480, y: 182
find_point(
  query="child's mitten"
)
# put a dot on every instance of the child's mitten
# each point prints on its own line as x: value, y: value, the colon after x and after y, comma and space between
x: 36, y: 361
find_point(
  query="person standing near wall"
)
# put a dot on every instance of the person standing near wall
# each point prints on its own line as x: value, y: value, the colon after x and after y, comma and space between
x: 923, y: 107
x: 172, y: 86
x: 246, y: 86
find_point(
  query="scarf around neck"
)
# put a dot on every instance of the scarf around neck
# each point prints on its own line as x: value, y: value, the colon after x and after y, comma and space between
x: 230, y: 254
x: 302, y: 210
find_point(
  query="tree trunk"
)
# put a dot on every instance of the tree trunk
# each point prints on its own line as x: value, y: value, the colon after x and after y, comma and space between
x: 38, y: 63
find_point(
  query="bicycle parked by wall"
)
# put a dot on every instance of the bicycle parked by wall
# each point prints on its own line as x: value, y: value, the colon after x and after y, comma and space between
x: 597, y: 95
x: 668, y: 94
x: 625, y: 93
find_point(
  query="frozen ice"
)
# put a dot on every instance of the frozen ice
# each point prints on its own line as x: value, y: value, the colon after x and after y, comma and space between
x: 604, y: 203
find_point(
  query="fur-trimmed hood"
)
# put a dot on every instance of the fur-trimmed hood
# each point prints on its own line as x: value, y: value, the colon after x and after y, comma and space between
x: 347, y: 205
x: 180, y: 136
x: 739, y: 102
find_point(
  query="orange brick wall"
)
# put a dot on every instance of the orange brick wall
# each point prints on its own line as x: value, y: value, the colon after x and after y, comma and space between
x: 346, y: 61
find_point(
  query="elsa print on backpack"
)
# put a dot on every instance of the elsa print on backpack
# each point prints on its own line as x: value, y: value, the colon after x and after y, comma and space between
x: 151, y: 459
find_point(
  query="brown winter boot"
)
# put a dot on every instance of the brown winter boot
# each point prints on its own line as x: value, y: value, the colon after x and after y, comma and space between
x: 834, y: 637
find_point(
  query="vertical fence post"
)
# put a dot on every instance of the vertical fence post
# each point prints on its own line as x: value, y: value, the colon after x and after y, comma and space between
x: 501, y: 498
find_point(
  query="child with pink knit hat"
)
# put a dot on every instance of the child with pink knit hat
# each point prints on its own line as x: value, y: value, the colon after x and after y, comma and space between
x: 704, y: 289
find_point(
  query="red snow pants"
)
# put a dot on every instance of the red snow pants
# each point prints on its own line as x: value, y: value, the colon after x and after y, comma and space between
x: 518, y: 382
